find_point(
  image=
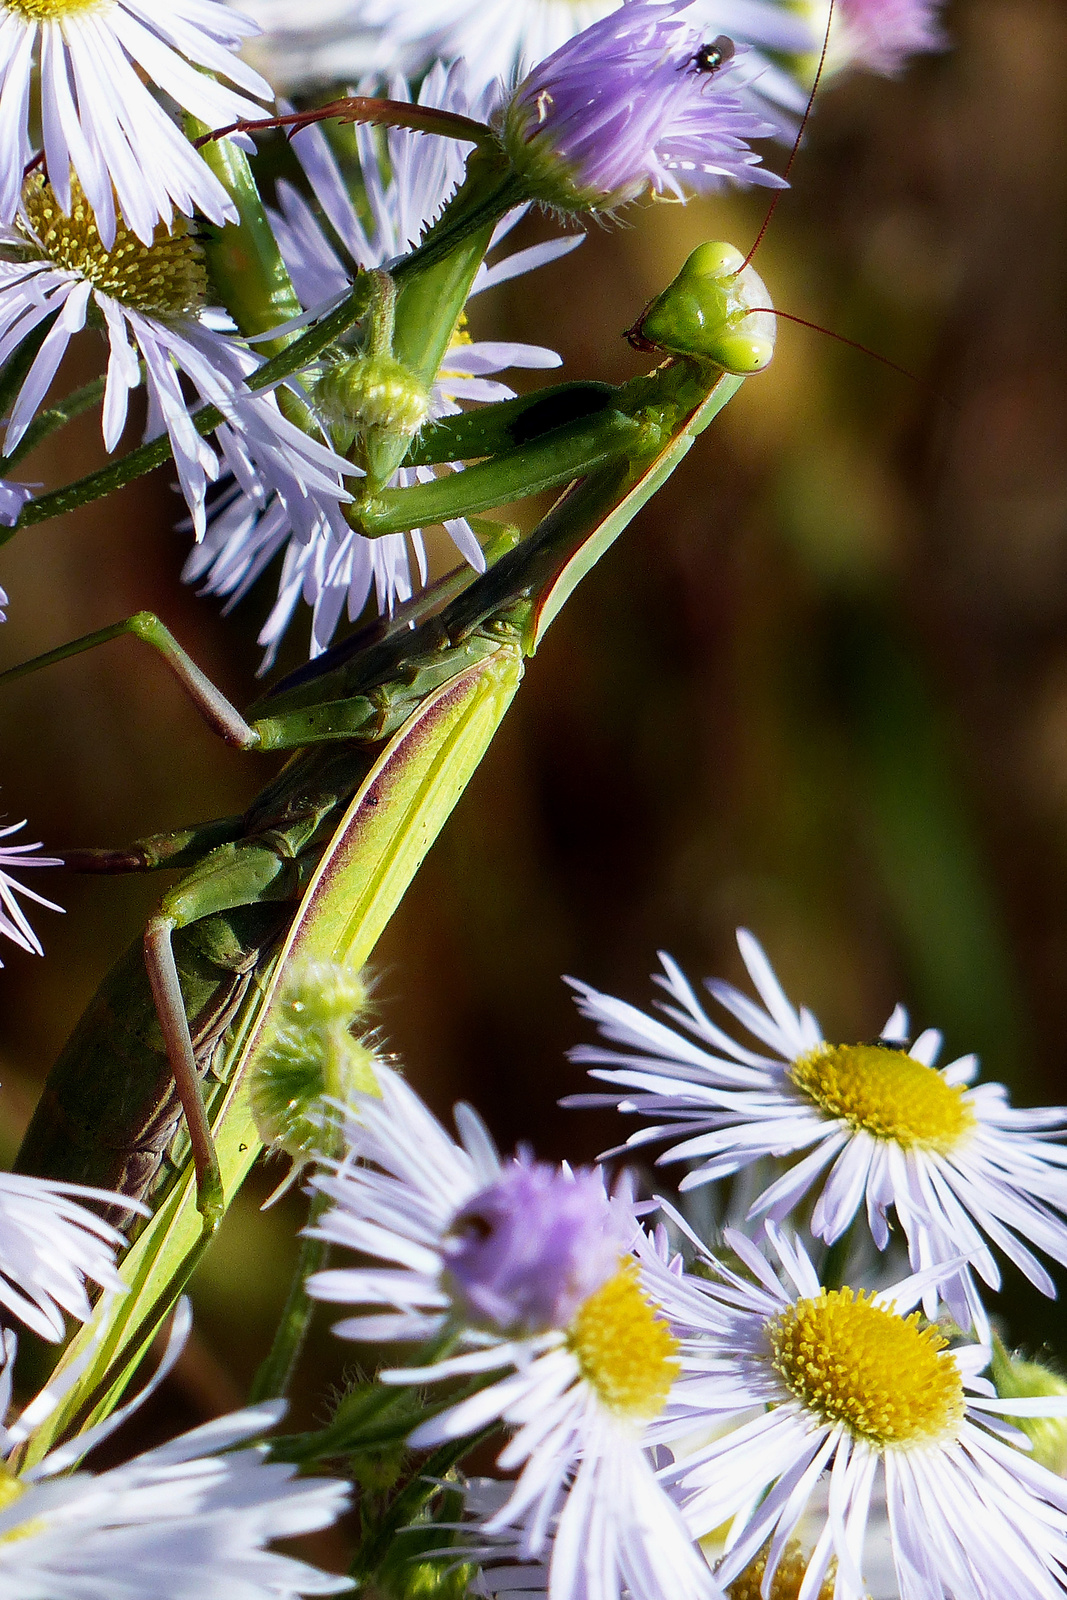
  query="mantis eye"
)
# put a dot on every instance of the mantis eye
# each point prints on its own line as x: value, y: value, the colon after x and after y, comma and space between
x: 717, y: 309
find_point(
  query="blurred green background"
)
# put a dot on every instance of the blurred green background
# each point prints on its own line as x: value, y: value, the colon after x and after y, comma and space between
x: 819, y: 688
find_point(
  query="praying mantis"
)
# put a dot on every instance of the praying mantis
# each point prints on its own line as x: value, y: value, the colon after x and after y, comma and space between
x: 150, y: 1096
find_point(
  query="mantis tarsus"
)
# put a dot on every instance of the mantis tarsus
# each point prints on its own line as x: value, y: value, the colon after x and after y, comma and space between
x: 386, y: 734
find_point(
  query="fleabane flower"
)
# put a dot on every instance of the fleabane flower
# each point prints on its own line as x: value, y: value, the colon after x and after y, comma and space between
x: 855, y: 1391
x: 14, y: 923
x: 529, y: 1267
x: 500, y: 40
x: 406, y: 182
x: 51, y: 1247
x: 638, y: 102
x: 84, y: 71
x: 873, y: 1124
x: 877, y: 35
x: 190, y: 1518
x: 150, y: 301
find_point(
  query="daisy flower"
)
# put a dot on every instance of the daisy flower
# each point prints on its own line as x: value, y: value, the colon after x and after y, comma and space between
x: 50, y: 1247
x: 14, y: 924
x: 635, y: 104
x: 85, y: 70
x: 874, y: 1124
x: 190, y: 1518
x: 406, y: 182
x: 854, y: 1389
x: 501, y: 40
x: 879, y: 35
x: 151, y: 303
x: 528, y: 1267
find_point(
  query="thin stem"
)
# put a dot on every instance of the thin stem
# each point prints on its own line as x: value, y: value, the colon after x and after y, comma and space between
x: 275, y: 1374
x: 361, y: 108
x: 411, y: 1499
x: 55, y: 417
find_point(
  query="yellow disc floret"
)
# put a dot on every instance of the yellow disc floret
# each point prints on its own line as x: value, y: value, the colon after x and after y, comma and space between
x: 12, y: 1489
x: 788, y: 1576
x: 624, y: 1348
x: 53, y: 10
x: 884, y: 1376
x: 885, y: 1092
x: 166, y: 278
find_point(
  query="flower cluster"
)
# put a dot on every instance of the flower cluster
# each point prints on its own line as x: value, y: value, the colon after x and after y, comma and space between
x: 731, y: 1420
x: 192, y: 1516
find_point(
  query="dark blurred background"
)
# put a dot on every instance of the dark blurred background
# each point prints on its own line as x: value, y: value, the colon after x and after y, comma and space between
x: 818, y: 688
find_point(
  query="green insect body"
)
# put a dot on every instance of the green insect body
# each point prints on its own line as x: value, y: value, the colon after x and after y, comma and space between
x: 717, y: 308
x: 393, y: 730
x: 359, y: 876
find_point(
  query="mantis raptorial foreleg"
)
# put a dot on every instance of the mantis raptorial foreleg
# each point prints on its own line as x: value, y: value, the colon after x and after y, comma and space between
x: 212, y: 704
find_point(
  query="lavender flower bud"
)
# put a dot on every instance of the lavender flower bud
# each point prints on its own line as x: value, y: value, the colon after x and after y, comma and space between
x: 525, y: 1253
x: 638, y: 101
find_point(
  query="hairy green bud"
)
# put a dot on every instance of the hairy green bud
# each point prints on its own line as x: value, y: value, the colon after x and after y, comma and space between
x: 311, y: 1061
x: 374, y: 393
x: 1016, y: 1379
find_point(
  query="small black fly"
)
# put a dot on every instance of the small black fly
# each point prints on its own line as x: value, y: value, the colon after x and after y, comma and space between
x: 710, y: 57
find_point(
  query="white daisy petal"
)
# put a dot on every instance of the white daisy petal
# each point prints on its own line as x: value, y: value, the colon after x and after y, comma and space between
x: 860, y: 1125
x: 98, y: 66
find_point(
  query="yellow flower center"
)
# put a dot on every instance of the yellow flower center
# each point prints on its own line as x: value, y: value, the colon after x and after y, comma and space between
x: 882, y: 1375
x: 788, y: 1576
x: 51, y: 10
x: 885, y: 1092
x: 624, y: 1347
x: 166, y: 278
x: 11, y: 1490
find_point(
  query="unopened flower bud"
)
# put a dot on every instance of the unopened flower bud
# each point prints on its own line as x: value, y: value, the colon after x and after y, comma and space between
x: 716, y: 309
x: 374, y: 393
x: 311, y: 1061
x: 1016, y: 1379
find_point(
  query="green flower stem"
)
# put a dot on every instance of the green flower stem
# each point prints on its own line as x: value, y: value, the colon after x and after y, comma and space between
x: 55, y: 417
x: 243, y: 259
x: 411, y: 1499
x: 247, y: 269
x: 273, y: 1378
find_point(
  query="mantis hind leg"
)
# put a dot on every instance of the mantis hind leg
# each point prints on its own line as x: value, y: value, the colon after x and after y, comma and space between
x: 170, y: 1006
x: 182, y: 847
x: 234, y: 875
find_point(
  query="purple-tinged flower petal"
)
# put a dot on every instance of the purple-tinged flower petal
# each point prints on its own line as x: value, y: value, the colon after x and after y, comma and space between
x: 632, y: 105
